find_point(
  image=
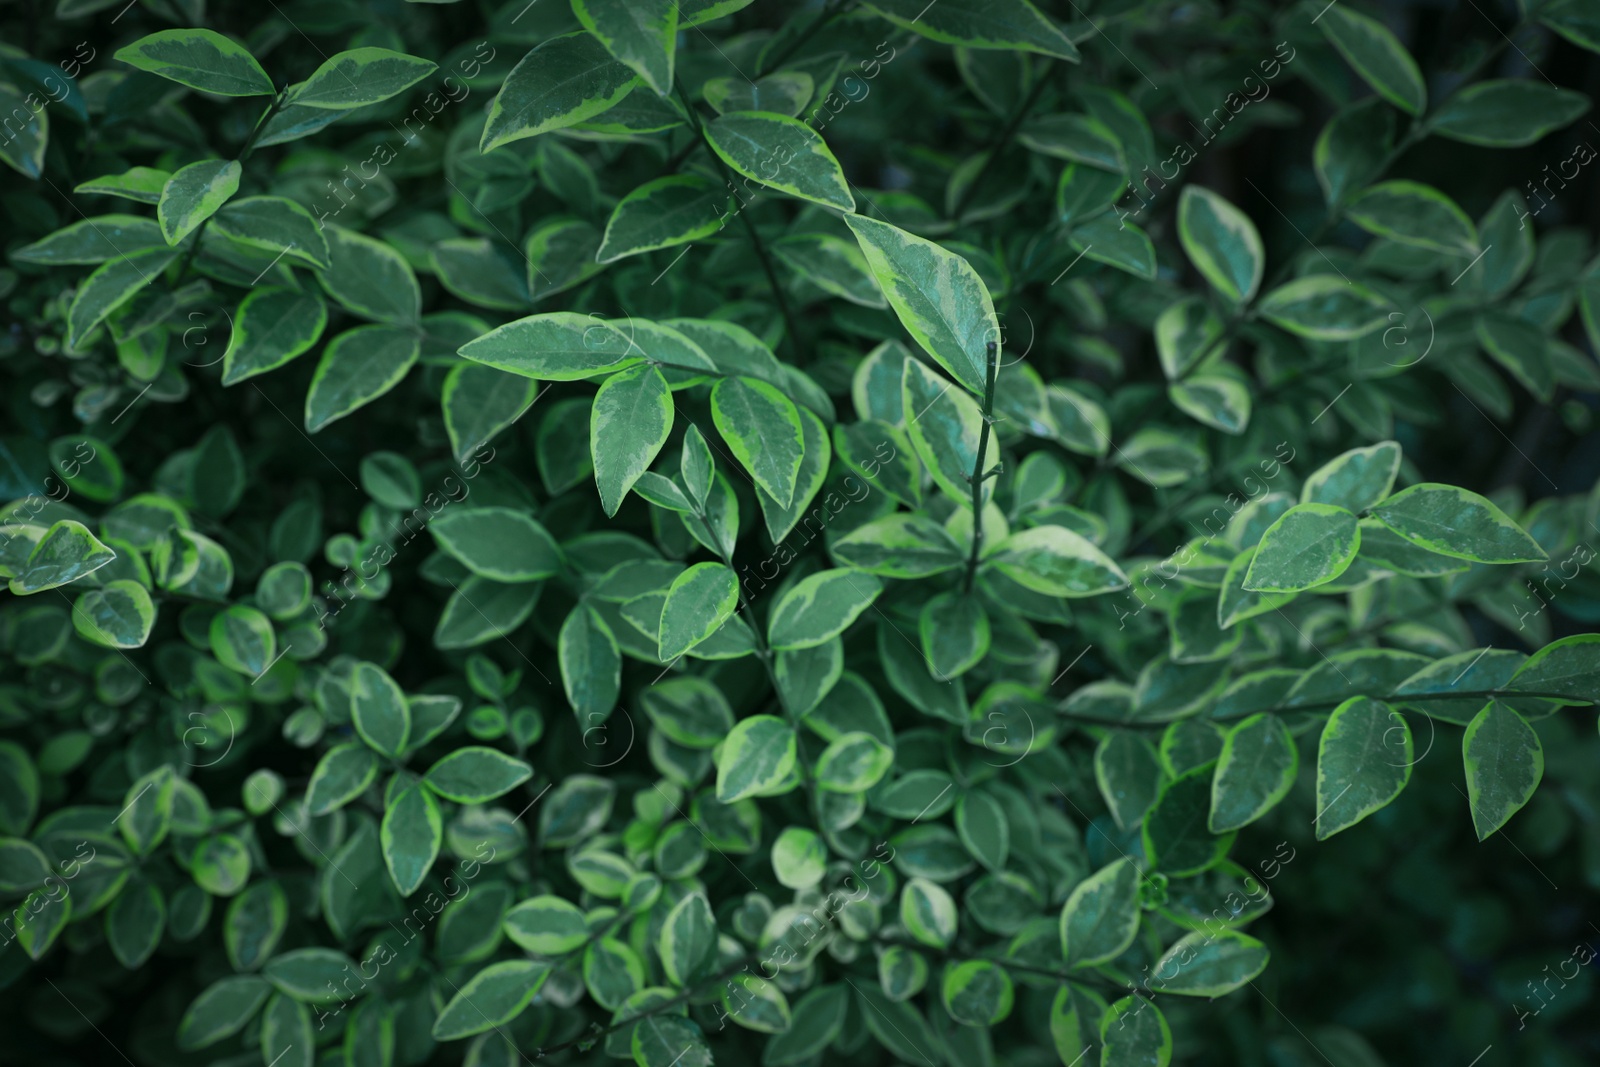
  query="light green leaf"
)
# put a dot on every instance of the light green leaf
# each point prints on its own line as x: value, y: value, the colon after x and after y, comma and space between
x: 688, y: 939
x: 1454, y: 522
x: 699, y: 601
x: 940, y: 299
x: 758, y: 756
x: 564, y: 81
x: 559, y: 346
x: 902, y: 545
x: 499, y: 543
x: 1354, y: 480
x: 977, y: 993
x: 547, y: 926
x: 112, y: 285
x: 928, y: 913
x: 93, y: 240
x: 243, y: 640
x: 1057, y: 562
x: 193, y: 194
x: 762, y: 428
x: 117, y: 615
x: 820, y: 607
x: 1309, y: 545
x: 853, y: 763
x: 200, y: 59
x: 629, y: 422
x: 344, y: 773
x: 833, y: 265
x: 67, y: 552
x: 781, y: 153
x: 945, y: 425
x: 1570, y: 666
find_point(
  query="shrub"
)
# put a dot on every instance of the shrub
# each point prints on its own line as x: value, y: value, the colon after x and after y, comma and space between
x: 673, y: 531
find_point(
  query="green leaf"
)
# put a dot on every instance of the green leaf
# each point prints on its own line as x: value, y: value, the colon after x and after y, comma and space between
x: 1309, y: 545
x: 945, y: 427
x: 1055, y: 561
x: 200, y: 59
x: 698, y: 602
x: 135, y: 923
x: 482, y: 610
x: 255, y: 923
x: 1116, y: 243
x: 1507, y: 113
x: 591, y: 666
x: 378, y: 710
x: 640, y: 33
x: 147, y: 811
x: 112, y: 285
x: 1084, y: 191
x: 1221, y: 242
x: 786, y: 93
x: 1101, y: 917
x: 193, y: 194
x: 1257, y: 768
x: 370, y: 279
x: 287, y: 1039
x: 669, y: 1041
x: 1134, y: 1032
x: 1350, y: 151
x: 928, y: 913
x: 630, y: 421
x: 853, y: 762
x: 1375, y: 53
x: 663, y: 213
x: 758, y: 756
x: 977, y: 993
x: 559, y: 346
x: 1209, y: 964
x: 360, y: 77
x: 497, y: 542
x: 274, y: 224
x: 1414, y: 214
x: 1520, y: 347
x: 954, y: 629
x: 1504, y: 762
x: 273, y: 326
x: 344, y: 773
x: 564, y: 81
x: 1453, y: 522
x: 999, y: 24
x: 358, y: 367
x: 1177, y: 839
x: 66, y: 553
x: 898, y: 1027
x: 475, y: 775
x: 833, y: 265
x: 117, y: 615
x: 1363, y: 761
x: 820, y: 607
x: 1354, y: 480
x: 1325, y: 307
x: 411, y: 833
x: 547, y: 926
x: 24, y: 147
x: 1570, y: 666
x: 494, y: 996
x: 762, y: 428
x: 221, y: 1010
x: 93, y: 240
x: 938, y: 296
x: 902, y: 545
x: 688, y: 939
x: 143, y: 184
x: 479, y: 403
x: 243, y: 640
x: 781, y: 153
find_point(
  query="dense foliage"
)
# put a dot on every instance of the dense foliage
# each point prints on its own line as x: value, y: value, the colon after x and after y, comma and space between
x: 855, y: 532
